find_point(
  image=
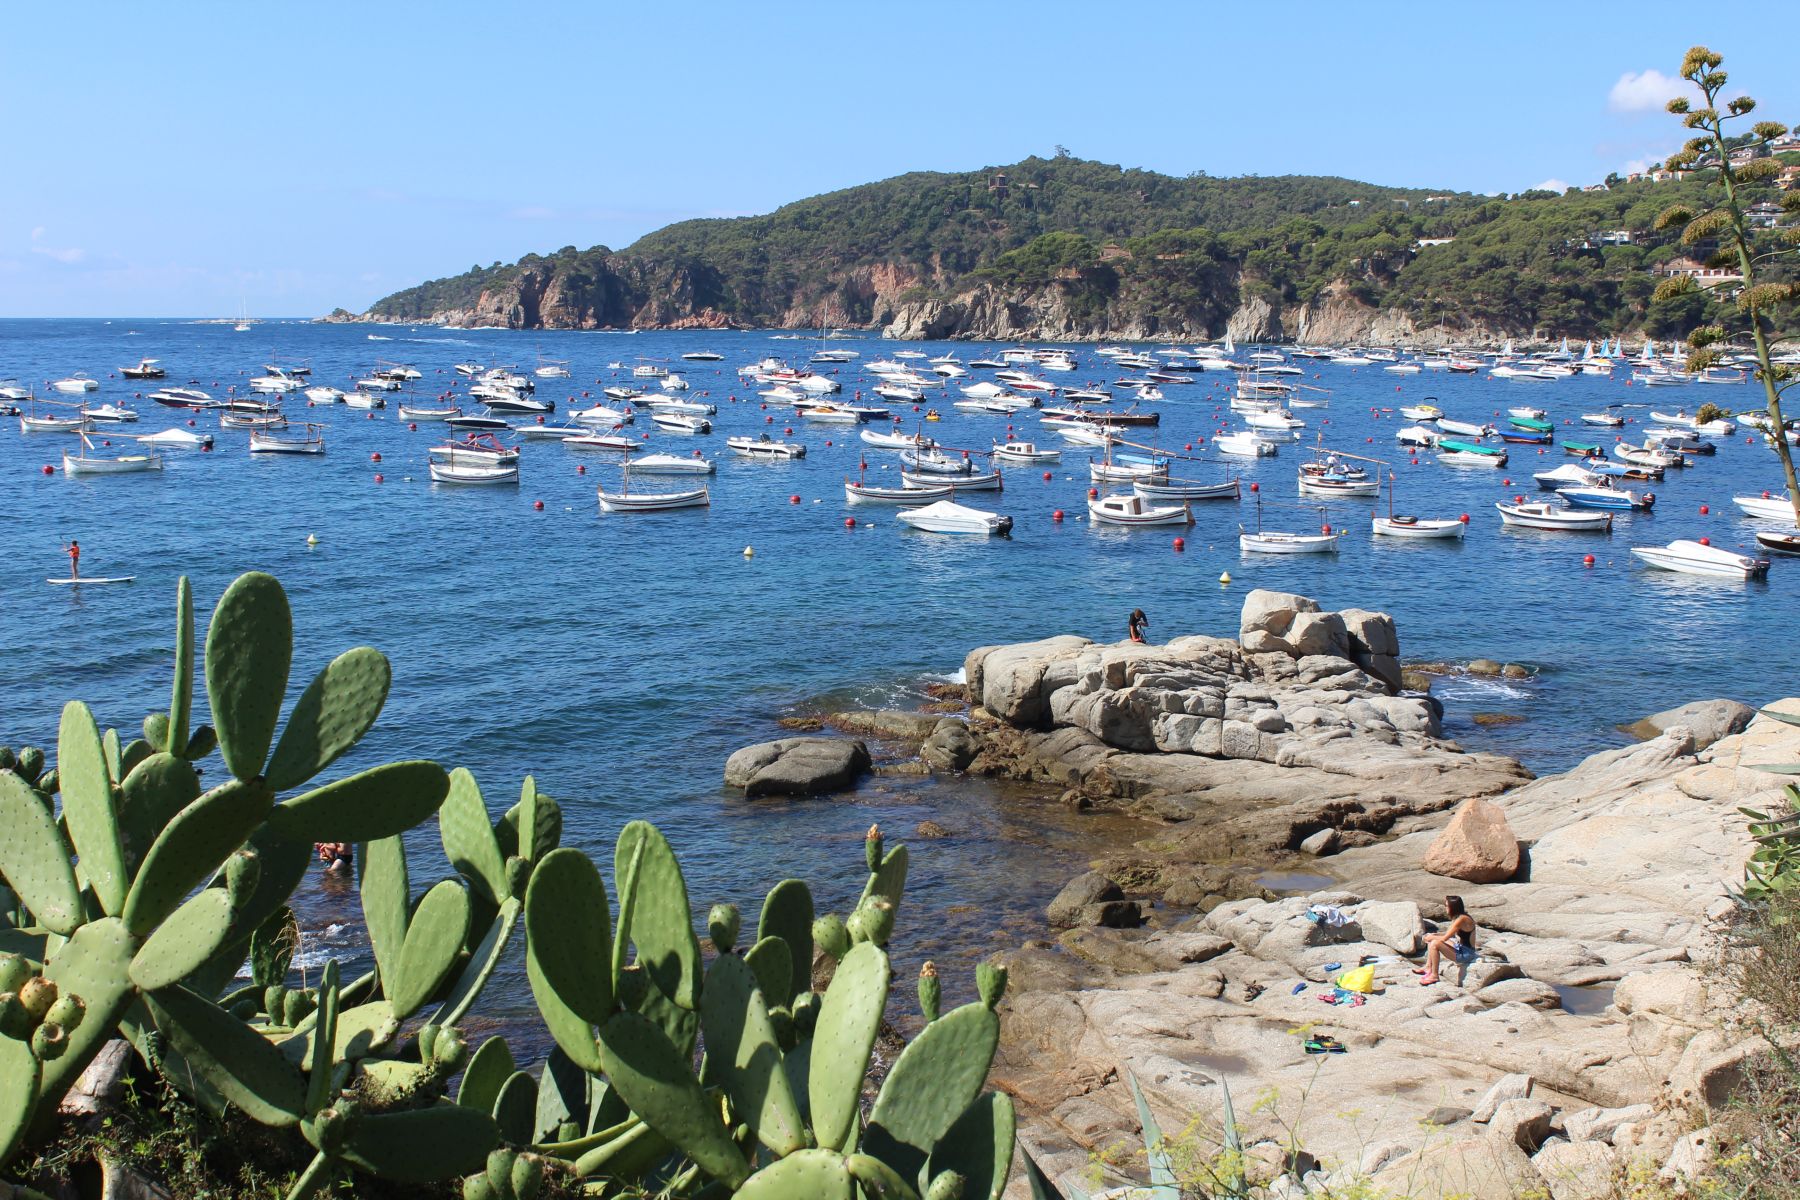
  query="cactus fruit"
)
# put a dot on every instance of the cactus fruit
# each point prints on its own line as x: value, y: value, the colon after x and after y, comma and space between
x: 873, y: 921
x: 49, y: 783
x: 449, y: 1050
x: 68, y: 1012
x: 203, y: 742
x: 37, y: 994
x: 990, y: 978
x: 872, y: 843
x: 156, y: 730
x: 527, y: 1176
x: 930, y: 992
x: 30, y: 764
x: 946, y: 1186
x: 722, y: 923
x: 15, y: 1022
x: 831, y: 935
x: 14, y: 971
x: 49, y: 1042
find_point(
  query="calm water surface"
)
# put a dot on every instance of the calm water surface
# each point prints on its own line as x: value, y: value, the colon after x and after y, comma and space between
x: 620, y: 659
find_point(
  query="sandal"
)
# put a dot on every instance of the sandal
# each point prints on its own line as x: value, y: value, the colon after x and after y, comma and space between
x: 1428, y: 981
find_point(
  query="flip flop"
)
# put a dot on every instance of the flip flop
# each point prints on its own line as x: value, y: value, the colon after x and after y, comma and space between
x: 1428, y: 981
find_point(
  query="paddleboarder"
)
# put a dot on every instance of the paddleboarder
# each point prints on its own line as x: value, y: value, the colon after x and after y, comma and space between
x: 74, y: 552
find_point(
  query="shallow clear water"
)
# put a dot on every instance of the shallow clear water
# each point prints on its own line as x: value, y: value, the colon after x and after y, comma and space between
x: 621, y: 658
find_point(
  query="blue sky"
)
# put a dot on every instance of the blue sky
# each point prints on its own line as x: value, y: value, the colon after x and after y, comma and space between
x: 195, y: 159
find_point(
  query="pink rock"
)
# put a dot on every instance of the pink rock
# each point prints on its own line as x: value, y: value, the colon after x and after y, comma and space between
x: 1478, y: 845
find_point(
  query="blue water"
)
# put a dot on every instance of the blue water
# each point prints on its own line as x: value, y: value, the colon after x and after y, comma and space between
x: 621, y: 658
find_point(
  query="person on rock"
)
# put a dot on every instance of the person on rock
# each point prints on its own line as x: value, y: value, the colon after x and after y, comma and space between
x: 1458, y: 938
x: 1137, y: 623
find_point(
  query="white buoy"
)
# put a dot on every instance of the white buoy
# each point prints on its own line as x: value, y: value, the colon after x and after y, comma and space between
x: 749, y: 553
x: 312, y: 539
x: 1225, y: 579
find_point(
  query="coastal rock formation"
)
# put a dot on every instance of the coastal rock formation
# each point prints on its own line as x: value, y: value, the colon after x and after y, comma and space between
x: 1478, y: 845
x: 1582, y: 1003
x: 797, y: 767
x: 1706, y: 720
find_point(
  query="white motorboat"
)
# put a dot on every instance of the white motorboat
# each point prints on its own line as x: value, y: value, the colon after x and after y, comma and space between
x: 1184, y: 489
x: 1770, y: 506
x: 552, y: 369
x: 1698, y: 558
x: 671, y: 422
x: 1275, y: 420
x: 602, y: 417
x: 310, y: 440
x: 1460, y: 455
x: 612, y: 442
x: 276, y: 385
x: 897, y: 441
x: 830, y: 414
x: 671, y: 464
x: 176, y: 439
x: 1526, y: 413
x: 409, y: 412
x: 899, y: 392
x: 989, y: 481
x: 182, y: 397
x: 1024, y: 452
x: 324, y: 394
x: 703, y: 356
x: 506, y: 400
x: 947, y: 516
x: 110, y: 414
x: 459, y: 468
x: 1131, y: 510
x: 1243, y: 444
x: 476, y: 448
x: 862, y: 493
x: 764, y: 446
x: 373, y: 383
x: 252, y: 420
x: 1554, y: 516
x: 626, y: 500
x: 1085, y: 434
x: 1464, y: 428
x: 533, y: 432
x: 1417, y: 435
x: 1568, y: 475
x: 621, y: 394
x: 1127, y: 469
x: 1603, y: 420
x: 146, y: 369
x: 364, y: 400
x: 1641, y: 456
x: 75, y: 385
x: 1421, y: 412
x: 934, y: 461
x: 1418, y: 527
x: 672, y: 404
x: 479, y: 424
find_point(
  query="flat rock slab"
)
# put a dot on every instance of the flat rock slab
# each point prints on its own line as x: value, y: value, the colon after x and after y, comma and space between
x: 797, y: 767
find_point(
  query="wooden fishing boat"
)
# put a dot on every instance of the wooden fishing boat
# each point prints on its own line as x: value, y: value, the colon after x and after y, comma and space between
x: 310, y: 440
x: 1131, y: 511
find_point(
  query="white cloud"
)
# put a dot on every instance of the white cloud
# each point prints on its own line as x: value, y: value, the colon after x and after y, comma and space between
x: 1551, y: 185
x: 1636, y: 166
x: 68, y: 255
x: 1645, y: 91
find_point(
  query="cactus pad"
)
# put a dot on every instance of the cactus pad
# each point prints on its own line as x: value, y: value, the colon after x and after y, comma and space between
x: 246, y: 1069
x: 802, y: 1175
x: 421, y: 1145
x: 515, y: 1108
x: 192, y: 934
x: 937, y: 1076
x: 249, y: 647
x: 385, y: 897
x: 152, y: 793
x: 190, y: 849
x: 979, y: 1147
x: 34, y: 858
x: 742, y: 1055
x: 434, y: 937
x: 787, y: 913
x: 566, y: 919
x: 654, y: 914
x: 489, y: 1069
x: 331, y: 716
x: 86, y: 783
x: 181, y: 695
x: 18, y: 1095
x: 771, y: 962
x: 849, y: 1019
x: 468, y: 837
x: 481, y: 965
x: 657, y: 1081
x: 377, y: 803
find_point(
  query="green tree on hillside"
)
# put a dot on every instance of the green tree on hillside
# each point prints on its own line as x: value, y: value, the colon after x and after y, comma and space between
x: 1767, y: 263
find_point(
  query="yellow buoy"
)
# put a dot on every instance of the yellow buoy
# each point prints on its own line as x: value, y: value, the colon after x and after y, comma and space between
x: 312, y: 539
x: 1224, y: 578
x: 749, y: 553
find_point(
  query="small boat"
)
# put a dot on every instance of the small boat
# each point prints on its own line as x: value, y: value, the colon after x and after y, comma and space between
x: 146, y: 369
x: 764, y: 446
x: 533, y: 432
x: 1528, y: 414
x: 1530, y: 424
x: 671, y: 464
x: 181, y: 397
x: 1128, y: 469
x: 1417, y: 527
x: 1244, y: 444
x: 1697, y: 558
x: 110, y: 414
x: 33, y: 424
x: 410, y: 413
x: 85, y: 462
x: 671, y: 422
x: 989, y: 481
x: 479, y: 424
x: 674, y: 404
x: 1024, y: 452
x: 1332, y: 477
x: 625, y: 500
x: 478, y: 448
x: 897, y: 441
x: 1523, y: 437
x: 1677, y: 441
x: 1603, y: 420
x: 1417, y: 435
x: 830, y: 413
x: 703, y: 356
x: 311, y: 440
x: 1421, y: 412
x: 1184, y: 489
x: 176, y: 439
x: 75, y: 385
x: 1567, y: 475
x: 1083, y: 434
x: 1130, y: 510
x: 252, y: 420
x: 364, y: 400
x: 1465, y: 428
x: 862, y: 493
x: 1554, y: 516
x: 602, y: 441
x: 1641, y: 456
x: 1779, y: 543
x: 602, y: 417
x: 549, y: 368
x: 1770, y: 506
x: 1586, y: 496
x: 1469, y: 454
x: 947, y: 516
x: 1584, y: 449
x: 459, y: 467
x: 324, y: 395
x: 935, y: 462
x: 1273, y: 542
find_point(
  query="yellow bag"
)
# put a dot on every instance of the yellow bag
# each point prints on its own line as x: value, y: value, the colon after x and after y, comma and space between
x: 1362, y: 979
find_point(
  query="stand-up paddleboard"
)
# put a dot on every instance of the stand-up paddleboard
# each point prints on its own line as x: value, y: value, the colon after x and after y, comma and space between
x: 94, y: 579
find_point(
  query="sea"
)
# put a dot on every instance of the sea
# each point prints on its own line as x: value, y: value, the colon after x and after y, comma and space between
x: 619, y: 659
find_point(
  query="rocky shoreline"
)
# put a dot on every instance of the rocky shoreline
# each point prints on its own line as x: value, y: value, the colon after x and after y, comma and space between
x: 1285, y: 772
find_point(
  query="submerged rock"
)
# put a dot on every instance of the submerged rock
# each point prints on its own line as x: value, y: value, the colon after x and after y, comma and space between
x: 797, y: 767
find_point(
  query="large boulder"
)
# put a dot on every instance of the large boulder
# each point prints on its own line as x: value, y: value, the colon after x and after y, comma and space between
x: 1317, y: 633
x: 1009, y: 681
x: 1393, y: 923
x: 1370, y: 632
x: 1478, y: 845
x: 1707, y: 720
x: 950, y: 747
x: 1266, y: 618
x: 797, y: 767
x: 1092, y: 899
